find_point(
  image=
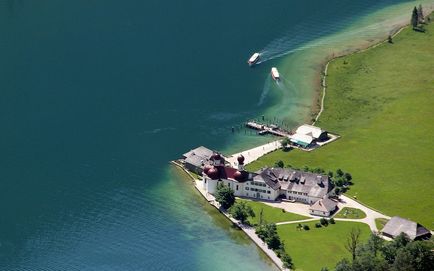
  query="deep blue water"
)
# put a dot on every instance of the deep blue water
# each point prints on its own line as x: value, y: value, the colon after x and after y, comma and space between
x: 97, y: 96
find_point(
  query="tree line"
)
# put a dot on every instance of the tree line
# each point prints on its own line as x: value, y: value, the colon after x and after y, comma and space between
x: 376, y: 254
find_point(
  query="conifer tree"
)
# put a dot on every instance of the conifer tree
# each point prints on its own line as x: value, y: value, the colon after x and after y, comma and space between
x: 420, y: 14
x: 414, y: 18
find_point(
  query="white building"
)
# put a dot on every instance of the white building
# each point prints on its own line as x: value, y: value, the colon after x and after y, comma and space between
x: 268, y: 183
x: 323, y: 207
x: 307, y: 135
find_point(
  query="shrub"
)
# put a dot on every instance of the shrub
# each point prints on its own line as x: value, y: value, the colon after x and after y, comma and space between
x: 280, y: 164
x: 332, y: 221
x: 287, y: 261
x: 323, y: 221
x: 306, y: 227
x: 318, y: 225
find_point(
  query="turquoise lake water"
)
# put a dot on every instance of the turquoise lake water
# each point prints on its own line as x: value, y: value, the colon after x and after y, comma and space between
x: 96, y: 97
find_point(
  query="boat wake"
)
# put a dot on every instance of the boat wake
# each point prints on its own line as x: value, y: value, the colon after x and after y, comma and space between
x: 303, y: 39
x: 265, y: 91
x: 286, y: 85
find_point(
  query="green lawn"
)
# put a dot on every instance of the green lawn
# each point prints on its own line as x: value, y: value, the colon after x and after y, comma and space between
x: 380, y: 222
x: 352, y: 213
x: 270, y: 214
x: 382, y: 104
x: 319, y: 247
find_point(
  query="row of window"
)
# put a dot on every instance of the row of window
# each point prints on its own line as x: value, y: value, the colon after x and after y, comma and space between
x: 258, y: 184
x: 257, y: 196
x: 297, y: 193
x: 259, y: 190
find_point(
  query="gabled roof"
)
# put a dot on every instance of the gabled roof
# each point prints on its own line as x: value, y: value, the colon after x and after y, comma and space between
x: 397, y: 224
x: 324, y: 205
x: 309, y: 130
x: 199, y: 151
x: 314, y: 184
x: 268, y: 177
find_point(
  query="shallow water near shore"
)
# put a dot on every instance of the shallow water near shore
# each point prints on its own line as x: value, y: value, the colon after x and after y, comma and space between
x: 97, y: 97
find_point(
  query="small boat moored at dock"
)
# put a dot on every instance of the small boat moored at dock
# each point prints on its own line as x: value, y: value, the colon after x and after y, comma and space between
x: 253, y: 59
x: 275, y: 74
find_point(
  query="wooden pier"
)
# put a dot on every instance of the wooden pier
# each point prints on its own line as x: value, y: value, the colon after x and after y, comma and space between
x: 268, y: 129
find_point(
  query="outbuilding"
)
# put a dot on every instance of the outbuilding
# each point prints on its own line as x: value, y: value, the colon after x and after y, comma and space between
x: 315, y: 132
x: 323, y: 207
x: 397, y: 225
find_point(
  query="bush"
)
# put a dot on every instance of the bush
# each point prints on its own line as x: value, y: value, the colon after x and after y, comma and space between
x: 306, y: 227
x: 324, y: 222
x: 287, y: 261
x: 332, y: 221
x: 280, y: 164
x: 318, y: 225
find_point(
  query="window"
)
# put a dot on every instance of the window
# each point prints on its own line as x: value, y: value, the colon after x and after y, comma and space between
x: 268, y: 192
x: 237, y: 186
x: 229, y: 184
x: 247, y: 188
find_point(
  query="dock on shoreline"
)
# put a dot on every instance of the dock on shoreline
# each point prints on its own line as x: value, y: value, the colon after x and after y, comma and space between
x: 268, y: 129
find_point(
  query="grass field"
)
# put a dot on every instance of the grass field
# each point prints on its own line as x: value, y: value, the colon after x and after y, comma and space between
x: 318, y: 247
x: 380, y: 222
x: 381, y: 102
x: 270, y: 214
x: 351, y: 213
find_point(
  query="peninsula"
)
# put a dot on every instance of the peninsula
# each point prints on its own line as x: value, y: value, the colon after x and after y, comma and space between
x: 304, y: 208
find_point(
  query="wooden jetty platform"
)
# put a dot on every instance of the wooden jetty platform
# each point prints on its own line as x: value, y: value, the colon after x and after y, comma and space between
x: 268, y: 129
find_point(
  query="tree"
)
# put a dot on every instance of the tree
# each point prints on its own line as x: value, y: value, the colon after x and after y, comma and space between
x: 390, y: 249
x: 324, y: 269
x: 261, y: 216
x: 414, y: 18
x: 375, y: 243
x: 343, y: 265
x: 421, y: 255
x: 324, y: 222
x: 285, y: 142
x: 280, y: 164
x: 332, y: 221
x: 348, y: 177
x: 353, y: 241
x: 241, y: 211
x: 389, y: 39
x: 287, y: 261
x: 339, y: 172
x: 225, y: 196
x: 403, y: 261
x: 330, y: 174
x: 273, y: 241
x: 420, y: 14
